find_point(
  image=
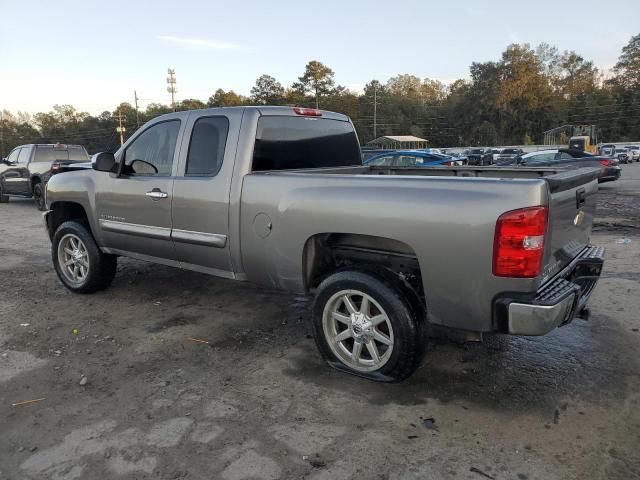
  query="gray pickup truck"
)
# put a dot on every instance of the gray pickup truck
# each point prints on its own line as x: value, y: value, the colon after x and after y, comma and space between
x: 278, y: 196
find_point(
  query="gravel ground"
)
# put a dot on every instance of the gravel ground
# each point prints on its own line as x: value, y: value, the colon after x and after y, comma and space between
x: 128, y: 393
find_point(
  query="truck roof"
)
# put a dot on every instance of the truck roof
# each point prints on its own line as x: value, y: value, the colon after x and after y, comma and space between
x: 265, y: 110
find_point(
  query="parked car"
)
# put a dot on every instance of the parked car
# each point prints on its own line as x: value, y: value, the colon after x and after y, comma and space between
x: 460, y: 157
x: 571, y: 158
x: 279, y: 197
x: 495, y: 153
x: 634, y: 152
x: 508, y: 154
x: 411, y: 158
x: 623, y: 155
x: 479, y: 156
x: 28, y: 168
x: 607, y: 150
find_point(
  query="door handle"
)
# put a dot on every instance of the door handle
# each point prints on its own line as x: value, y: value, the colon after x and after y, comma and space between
x: 157, y: 194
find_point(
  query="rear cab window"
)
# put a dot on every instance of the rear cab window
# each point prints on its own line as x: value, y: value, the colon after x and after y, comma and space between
x: 78, y: 154
x: 285, y: 143
x: 51, y: 153
x: 207, y: 146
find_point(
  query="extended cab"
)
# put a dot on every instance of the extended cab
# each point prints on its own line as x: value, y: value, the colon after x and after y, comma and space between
x: 278, y: 196
x: 27, y: 169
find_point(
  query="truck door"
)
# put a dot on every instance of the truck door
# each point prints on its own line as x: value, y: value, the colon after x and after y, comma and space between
x: 10, y: 174
x: 201, y: 193
x: 16, y: 177
x: 134, y: 207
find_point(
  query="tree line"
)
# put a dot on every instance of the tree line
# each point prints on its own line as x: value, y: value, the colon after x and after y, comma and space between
x: 513, y: 100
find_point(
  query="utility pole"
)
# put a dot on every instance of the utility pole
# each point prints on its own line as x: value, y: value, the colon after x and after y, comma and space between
x: 135, y: 96
x: 120, y: 129
x: 171, y: 81
x: 1, y: 134
x: 375, y: 110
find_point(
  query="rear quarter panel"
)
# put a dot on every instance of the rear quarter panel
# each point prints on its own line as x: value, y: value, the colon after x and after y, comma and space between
x: 448, y: 222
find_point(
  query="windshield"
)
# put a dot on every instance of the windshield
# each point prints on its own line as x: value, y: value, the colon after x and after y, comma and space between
x: 511, y: 151
x: 303, y: 142
x: 477, y: 151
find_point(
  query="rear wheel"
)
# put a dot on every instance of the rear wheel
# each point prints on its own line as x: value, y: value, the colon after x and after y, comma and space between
x: 365, y: 324
x: 78, y: 261
x: 38, y: 196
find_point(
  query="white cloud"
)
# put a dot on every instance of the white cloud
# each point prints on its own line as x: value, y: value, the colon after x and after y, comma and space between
x: 356, y: 87
x: 202, y: 43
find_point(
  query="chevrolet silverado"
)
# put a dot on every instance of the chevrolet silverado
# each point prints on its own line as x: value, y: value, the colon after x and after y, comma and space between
x: 278, y: 196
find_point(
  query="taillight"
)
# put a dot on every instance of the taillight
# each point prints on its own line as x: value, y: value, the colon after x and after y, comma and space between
x: 308, y: 112
x: 448, y: 164
x: 518, y: 245
x: 605, y: 163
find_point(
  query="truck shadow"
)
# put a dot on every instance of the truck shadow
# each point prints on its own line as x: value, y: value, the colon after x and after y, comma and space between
x: 592, y: 360
x: 503, y: 373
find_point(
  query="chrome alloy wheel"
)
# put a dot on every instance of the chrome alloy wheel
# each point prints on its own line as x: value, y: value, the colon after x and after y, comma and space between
x: 357, y: 330
x: 73, y: 258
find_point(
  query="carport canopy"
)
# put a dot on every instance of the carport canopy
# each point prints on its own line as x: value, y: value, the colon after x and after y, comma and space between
x: 398, y: 142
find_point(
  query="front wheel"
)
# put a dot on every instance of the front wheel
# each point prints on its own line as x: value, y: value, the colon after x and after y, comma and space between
x: 38, y: 196
x: 78, y: 261
x: 366, y: 324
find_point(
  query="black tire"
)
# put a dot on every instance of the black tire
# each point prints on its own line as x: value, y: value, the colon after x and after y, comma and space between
x: 406, y: 319
x: 101, y: 266
x: 38, y: 196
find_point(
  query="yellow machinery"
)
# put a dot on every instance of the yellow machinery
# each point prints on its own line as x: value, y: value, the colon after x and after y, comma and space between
x: 584, y: 143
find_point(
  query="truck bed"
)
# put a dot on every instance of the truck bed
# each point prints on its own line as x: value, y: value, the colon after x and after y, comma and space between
x: 557, y: 178
x: 448, y: 223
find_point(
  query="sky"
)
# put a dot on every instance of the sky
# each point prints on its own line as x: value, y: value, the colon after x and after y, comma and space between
x: 93, y: 55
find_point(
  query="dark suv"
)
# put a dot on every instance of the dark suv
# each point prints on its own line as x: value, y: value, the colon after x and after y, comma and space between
x: 27, y: 169
x: 479, y: 156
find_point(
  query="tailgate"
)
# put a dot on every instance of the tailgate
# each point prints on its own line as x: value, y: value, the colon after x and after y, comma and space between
x: 572, y: 206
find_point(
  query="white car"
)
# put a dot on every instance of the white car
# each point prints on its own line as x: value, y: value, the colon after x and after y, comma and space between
x: 634, y: 152
x: 624, y: 155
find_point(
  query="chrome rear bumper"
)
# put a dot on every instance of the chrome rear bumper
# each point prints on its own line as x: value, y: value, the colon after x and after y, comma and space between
x: 556, y: 302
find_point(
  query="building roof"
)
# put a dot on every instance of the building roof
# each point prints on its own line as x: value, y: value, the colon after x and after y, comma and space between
x: 397, y: 138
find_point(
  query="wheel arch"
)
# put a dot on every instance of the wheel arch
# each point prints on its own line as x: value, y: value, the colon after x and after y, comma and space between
x: 60, y: 212
x: 34, y: 180
x: 327, y: 253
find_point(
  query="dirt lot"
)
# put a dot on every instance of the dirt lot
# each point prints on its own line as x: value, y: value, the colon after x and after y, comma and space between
x: 257, y: 401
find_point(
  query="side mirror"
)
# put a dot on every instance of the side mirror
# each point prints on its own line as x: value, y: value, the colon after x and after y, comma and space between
x: 103, y: 162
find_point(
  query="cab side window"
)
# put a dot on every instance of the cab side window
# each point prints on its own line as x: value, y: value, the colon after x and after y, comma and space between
x: 152, y: 152
x: 539, y: 158
x: 23, y: 158
x: 382, y: 161
x: 405, y: 161
x: 13, y: 156
x: 206, y: 148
